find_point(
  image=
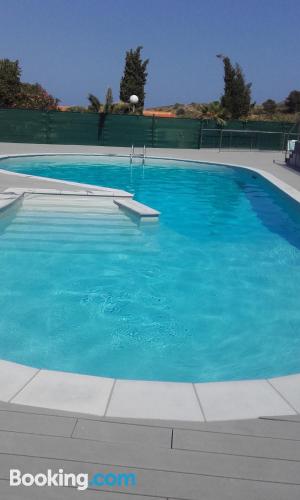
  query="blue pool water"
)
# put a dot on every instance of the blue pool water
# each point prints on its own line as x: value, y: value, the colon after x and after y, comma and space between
x: 209, y: 293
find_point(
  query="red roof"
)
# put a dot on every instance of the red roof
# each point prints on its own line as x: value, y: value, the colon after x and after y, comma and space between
x: 160, y: 114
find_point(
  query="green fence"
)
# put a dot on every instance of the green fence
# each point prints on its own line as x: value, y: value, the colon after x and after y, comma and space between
x: 56, y: 127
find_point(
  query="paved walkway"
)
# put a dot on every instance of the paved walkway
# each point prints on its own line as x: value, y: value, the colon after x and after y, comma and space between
x: 243, y: 460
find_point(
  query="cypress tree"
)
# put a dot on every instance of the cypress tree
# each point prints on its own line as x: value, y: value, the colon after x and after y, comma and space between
x: 10, y: 84
x: 237, y: 93
x: 241, y: 101
x: 134, y: 78
x: 229, y: 75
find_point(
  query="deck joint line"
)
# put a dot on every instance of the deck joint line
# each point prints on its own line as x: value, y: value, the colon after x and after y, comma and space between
x: 283, y: 397
x: 23, y: 387
x: 73, y: 430
x: 109, y: 397
x: 199, y: 402
x: 172, y: 438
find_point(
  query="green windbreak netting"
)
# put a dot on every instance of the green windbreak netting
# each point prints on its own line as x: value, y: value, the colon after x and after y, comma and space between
x: 72, y: 128
x: 23, y: 126
x: 175, y: 133
x: 124, y: 130
x: 56, y: 127
x: 250, y: 140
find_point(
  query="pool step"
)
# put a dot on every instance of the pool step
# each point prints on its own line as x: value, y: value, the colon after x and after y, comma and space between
x: 69, y: 202
x: 8, y: 200
x: 72, y: 225
x: 86, y: 203
x: 136, y: 208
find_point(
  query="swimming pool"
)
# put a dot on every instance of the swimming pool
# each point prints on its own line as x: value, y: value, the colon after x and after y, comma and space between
x: 209, y: 293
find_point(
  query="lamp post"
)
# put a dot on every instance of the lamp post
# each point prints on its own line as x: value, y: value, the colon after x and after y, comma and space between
x: 133, y: 99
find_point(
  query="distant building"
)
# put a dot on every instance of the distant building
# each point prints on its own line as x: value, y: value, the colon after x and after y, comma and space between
x: 64, y: 107
x: 159, y: 114
x: 146, y: 112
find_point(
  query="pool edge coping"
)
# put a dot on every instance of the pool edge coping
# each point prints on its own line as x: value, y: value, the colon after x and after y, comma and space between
x: 142, y: 399
x: 208, y: 401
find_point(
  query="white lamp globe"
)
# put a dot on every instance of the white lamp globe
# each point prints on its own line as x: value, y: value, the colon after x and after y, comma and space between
x: 133, y: 99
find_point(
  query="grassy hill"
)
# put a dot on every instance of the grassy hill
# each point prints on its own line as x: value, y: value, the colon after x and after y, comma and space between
x: 214, y: 110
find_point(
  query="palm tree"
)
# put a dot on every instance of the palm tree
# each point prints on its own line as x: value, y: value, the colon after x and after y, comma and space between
x: 108, y: 107
x: 213, y: 111
x: 95, y: 104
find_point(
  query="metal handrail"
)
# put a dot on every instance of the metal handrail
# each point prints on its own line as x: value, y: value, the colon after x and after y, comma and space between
x: 133, y: 155
x: 222, y: 131
x: 243, y: 130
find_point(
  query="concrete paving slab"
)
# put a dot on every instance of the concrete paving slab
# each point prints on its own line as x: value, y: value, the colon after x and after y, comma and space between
x: 241, y: 399
x: 67, y: 391
x: 13, y: 377
x: 162, y: 400
x: 289, y: 388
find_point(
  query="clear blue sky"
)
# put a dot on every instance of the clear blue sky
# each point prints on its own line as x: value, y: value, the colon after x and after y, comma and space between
x: 73, y: 47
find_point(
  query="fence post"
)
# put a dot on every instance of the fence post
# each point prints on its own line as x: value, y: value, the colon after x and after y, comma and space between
x: 101, y: 123
x: 152, y: 131
x: 47, y: 114
x: 283, y: 140
x: 221, y: 137
x: 200, y: 134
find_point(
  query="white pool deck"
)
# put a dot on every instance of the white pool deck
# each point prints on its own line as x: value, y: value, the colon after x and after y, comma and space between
x: 107, y: 397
